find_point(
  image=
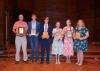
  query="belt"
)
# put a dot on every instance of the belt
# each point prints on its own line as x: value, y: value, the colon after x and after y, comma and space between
x: 20, y: 35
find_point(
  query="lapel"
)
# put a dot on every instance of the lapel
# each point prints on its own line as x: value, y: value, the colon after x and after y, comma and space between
x: 48, y: 28
x: 43, y: 27
x: 36, y: 24
x: 31, y: 24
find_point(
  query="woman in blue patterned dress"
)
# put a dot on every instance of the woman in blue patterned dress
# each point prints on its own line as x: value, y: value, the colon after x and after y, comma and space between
x: 57, y: 45
x: 80, y: 41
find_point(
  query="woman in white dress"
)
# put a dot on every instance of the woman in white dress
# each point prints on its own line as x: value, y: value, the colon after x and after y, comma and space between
x: 57, y: 45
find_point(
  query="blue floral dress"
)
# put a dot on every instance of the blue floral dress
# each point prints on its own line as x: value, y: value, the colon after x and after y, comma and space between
x: 81, y: 45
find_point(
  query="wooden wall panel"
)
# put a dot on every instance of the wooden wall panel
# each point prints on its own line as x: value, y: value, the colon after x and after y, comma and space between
x: 88, y: 10
x: 10, y: 9
x: 2, y: 24
x: 62, y: 10
x: 85, y: 10
x: 97, y: 21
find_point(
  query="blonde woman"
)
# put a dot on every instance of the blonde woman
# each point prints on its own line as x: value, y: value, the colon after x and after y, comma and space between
x: 57, y: 45
x: 80, y: 41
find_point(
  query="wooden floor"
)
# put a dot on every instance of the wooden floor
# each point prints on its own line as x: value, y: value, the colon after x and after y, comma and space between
x: 89, y: 65
x: 8, y: 64
x: 92, y: 53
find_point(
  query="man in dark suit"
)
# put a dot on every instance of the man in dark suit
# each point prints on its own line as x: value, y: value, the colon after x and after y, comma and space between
x: 34, y: 32
x: 46, y: 34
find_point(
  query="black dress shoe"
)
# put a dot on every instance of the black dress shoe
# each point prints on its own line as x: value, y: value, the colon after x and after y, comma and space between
x: 48, y: 62
x: 17, y: 62
x: 25, y: 61
x: 41, y: 62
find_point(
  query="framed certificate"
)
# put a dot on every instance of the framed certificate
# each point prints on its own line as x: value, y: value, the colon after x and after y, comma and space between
x: 33, y: 32
x: 21, y: 30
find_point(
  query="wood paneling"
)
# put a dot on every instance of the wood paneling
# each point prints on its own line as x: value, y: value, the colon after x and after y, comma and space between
x: 8, y: 65
x: 62, y: 10
x: 85, y: 10
x: 57, y: 10
x: 2, y: 24
x: 10, y: 8
x: 97, y: 21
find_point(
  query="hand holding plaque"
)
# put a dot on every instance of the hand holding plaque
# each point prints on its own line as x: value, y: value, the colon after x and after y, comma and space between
x: 21, y: 31
x: 77, y: 35
x: 45, y: 35
x: 68, y: 34
x: 33, y: 32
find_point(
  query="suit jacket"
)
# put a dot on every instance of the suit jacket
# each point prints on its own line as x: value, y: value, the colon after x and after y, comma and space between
x: 37, y: 27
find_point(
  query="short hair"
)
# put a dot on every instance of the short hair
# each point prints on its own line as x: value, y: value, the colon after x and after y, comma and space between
x: 34, y: 14
x: 57, y: 21
x: 46, y: 17
x: 68, y: 20
x: 20, y: 14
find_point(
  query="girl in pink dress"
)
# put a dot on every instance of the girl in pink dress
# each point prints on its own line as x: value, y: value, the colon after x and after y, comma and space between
x: 68, y: 41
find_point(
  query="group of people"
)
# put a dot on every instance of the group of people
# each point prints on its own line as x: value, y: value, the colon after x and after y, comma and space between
x: 66, y: 40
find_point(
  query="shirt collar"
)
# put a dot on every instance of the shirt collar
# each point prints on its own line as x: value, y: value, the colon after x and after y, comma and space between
x: 46, y: 24
x: 21, y: 21
x: 34, y: 22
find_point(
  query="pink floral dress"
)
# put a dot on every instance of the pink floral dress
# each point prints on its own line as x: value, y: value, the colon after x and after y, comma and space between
x: 68, y: 41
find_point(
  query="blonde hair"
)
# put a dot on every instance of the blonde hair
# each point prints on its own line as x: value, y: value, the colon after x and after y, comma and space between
x: 80, y: 20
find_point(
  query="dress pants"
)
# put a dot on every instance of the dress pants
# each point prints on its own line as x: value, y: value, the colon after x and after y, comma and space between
x: 34, y: 48
x: 21, y: 41
x: 45, y: 46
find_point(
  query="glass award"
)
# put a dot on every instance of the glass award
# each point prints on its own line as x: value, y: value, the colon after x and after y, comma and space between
x: 33, y: 32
